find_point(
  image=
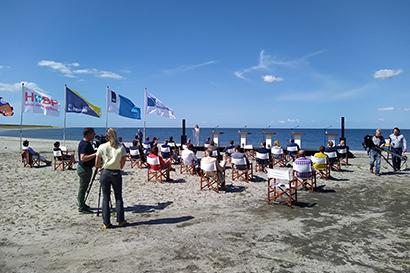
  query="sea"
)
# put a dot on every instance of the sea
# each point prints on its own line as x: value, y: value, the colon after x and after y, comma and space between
x: 312, y: 139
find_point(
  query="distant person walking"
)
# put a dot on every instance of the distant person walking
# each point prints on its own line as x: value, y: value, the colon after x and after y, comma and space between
x: 113, y: 155
x: 398, y: 146
x: 375, y: 152
x: 196, y: 132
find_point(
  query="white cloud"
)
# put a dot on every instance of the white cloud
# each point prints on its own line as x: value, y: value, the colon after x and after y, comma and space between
x: 187, y: 67
x: 16, y: 87
x: 67, y: 71
x: 387, y: 73
x: 282, y: 121
x: 293, y: 120
x: 270, y: 78
x: 265, y: 61
x: 406, y: 109
x: 385, y: 109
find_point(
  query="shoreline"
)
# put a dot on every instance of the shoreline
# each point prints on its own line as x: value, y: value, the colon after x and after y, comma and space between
x: 353, y: 222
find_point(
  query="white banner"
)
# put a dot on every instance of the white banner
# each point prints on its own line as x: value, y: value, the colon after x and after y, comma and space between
x: 37, y: 102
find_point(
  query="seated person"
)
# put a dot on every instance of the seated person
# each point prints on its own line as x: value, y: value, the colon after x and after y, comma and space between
x: 208, y: 159
x: 230, y: 149
x: 292, y: 144
x: 239, y: 154
x: 171, y: 142
x: 186, y: 144
x: 302, y: 160
x: 207, y: 143
x: 330, y: 149
x: 136, y: 146
x: 175, y: 154
x: 154, y: 141
x: 165, y: 146
x: 188, y: 155
x: 263, y: 150
x: 147, y: 145
x: 276, y: 150
x: 34, y: 154
x: 165, y: 164
x: 122, y: 143
x: 320, y: 154
x: 340, y: 147
x: 64, y: 155
x: 215, y: 150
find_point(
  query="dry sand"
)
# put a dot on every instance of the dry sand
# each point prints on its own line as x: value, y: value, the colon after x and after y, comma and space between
x: 355, y: 222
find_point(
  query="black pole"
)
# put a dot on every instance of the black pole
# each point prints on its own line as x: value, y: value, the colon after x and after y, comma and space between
x: 183, y: 136
x: 343, y: 129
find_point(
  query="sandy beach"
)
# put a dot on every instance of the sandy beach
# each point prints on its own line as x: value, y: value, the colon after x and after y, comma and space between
x: 354, y: 222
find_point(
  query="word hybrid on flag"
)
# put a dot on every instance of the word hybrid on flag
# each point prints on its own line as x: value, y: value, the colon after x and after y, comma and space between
x: 5, y: 108
x: 37, y: 102
x: 122, y: 106
x: 75, y: 103
x: 155, y: 106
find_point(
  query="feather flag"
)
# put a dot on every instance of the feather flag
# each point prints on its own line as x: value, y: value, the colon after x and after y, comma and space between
x: 122, y: 106
x: 155, y: 106
x: 75, y: 103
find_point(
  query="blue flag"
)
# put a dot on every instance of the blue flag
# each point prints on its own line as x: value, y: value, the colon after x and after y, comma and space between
x: 122, y: 106
x: 77, y: 104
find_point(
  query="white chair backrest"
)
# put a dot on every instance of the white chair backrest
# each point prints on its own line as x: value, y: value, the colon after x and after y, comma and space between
x: 211, y: 167
x: 279, y: 174
x: 57, y: 153
x: 331, y: 154
x: 207, y: 145
x: 63, y: 148
x: 146, y: 146
x: 171, y: 144
x: 153, y: 160
x: 342, y: 151
x: 134, y: 152
x: 302, y: 168
x: 187, y: 162
x: 248, y: 147
x: 214, y: 153
x: 230, y: 150
x: 239, y: 161
x: 165, y: 150
x: 318, y: 160
x: 262, y: 156
x: 276, y: 150
x: 292, y: 148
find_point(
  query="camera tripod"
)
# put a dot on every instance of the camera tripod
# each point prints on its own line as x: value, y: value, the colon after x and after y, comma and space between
x: 389, y: 152
x: 96, y: 171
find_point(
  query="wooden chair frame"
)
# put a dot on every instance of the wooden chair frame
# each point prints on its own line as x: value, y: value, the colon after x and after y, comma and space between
x: 136, y: 162
x: 343, y: 159
x: 260, y: 167
x: 246, y: 174
x: 278, y: 158
x: 249, y: 152
x: 157, y: 174
x: 28, y: 160
x: 335, y: 165
x: 186, y: 167
x: 62, y: 163
x: 210, y: 182
x: 308, y: 182
x: 322, y: 172
x: 287, y: 191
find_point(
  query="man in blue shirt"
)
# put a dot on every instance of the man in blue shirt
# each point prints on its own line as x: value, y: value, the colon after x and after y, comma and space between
x: 85, y: 166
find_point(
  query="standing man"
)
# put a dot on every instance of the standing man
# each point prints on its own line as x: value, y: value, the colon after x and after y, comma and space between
x: 375, y: 152
x: 85, y: 166
x: 398, y: 145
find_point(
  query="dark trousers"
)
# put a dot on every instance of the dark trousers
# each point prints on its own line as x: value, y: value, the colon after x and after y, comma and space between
x: 112, y: 178
x: 396, y: 160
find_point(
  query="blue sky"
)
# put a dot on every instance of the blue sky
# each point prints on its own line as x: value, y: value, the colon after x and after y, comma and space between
x: 227, y: 63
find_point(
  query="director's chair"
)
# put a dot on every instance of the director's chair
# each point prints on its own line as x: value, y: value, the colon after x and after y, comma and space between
x: 323, y: 170
x: 278, y: 158
x: 240, y: 169
x: 62, y: 163
x: 304, y: 176
x: 213, y: 181
x: 287, y: 190
x: 135, y: 158
x: 157, y: 174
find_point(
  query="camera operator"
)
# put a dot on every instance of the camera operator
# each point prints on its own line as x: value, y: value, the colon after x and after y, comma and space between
x: 398, y: 146
x: 86, y: 153
x: 376, y: 151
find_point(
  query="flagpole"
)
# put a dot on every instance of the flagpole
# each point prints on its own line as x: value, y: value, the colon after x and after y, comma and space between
x: 65, y: 111
x: 106, y: 117
x: 145, y: 110
x: 21, y: 118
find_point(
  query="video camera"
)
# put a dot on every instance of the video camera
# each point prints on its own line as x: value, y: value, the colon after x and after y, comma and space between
x: 367, y: 142
x: 100, y: 140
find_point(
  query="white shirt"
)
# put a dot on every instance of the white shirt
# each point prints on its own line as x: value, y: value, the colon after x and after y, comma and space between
x: 188, y: 155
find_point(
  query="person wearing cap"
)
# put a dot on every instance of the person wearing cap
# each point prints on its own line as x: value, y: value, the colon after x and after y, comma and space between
x: 398, y: 145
